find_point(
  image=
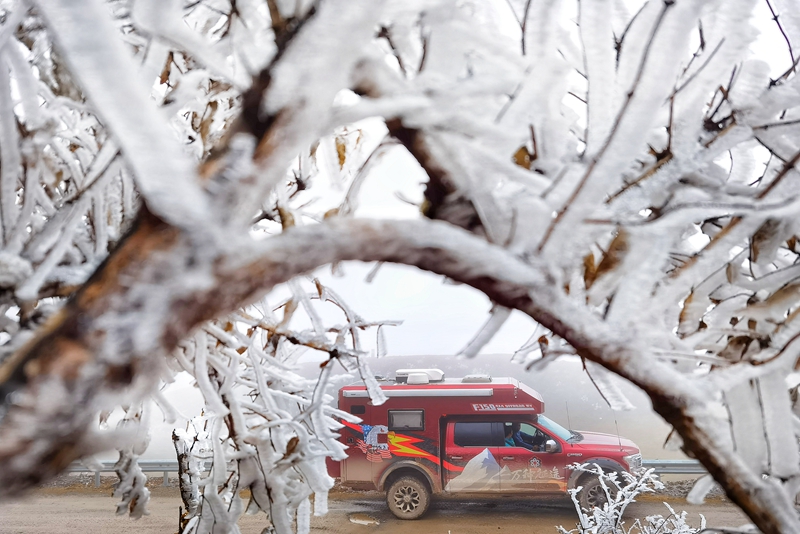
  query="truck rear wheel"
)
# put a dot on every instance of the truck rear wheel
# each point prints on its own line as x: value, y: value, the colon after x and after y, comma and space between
x: 592, y: 494
x: 408, y: 497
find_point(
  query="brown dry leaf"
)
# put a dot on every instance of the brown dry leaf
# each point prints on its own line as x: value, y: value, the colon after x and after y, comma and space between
x: 250, y: 332
x: 792, y: 243
x: 208, y: 119
x: 765, y: 242
x: 731, y: 273
x: 320, y: 288
x: 288, y: 310
x: 736, y: 348
x: 291, y: 446
x: 227, y: 328
x: 341, y: 151
x: 164, y: 78
x: 523, y: 158
x: 59, y: 178
x: 684, y: 315
x: 776, y: 305
x: 589, y: 270
x: 613, y: 257
x: 331, y: 213
x: 287, y: 219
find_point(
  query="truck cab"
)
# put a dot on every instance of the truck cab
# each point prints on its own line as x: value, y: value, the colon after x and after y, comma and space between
x: 476, y: 435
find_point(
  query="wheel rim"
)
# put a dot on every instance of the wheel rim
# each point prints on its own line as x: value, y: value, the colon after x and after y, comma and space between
x: 406, y: 499
x: 595, y: 496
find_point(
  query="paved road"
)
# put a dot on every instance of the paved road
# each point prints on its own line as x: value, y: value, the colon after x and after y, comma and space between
x: 89, y: 512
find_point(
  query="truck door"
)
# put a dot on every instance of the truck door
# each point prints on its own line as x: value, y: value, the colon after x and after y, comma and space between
x: 471, y: 449
x: 531, y: 471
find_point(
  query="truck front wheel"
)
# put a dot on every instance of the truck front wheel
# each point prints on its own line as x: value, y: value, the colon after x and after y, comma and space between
x: 593, y: 494
x: 408, y: 498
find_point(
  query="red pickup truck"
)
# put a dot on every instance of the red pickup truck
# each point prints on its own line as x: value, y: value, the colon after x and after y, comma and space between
x: 467, y: 436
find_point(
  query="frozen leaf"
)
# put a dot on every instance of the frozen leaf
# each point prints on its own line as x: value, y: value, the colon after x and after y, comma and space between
x: 523, y: 158
x: 341, y: 150
x: 769, y: 237
x: 776, y: 305
x: 611, y: 258
x: 694, y: 307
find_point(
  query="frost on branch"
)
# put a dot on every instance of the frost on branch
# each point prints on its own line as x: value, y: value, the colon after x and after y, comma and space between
x: 130, y: 487
x: 627, y: 179
x: 620, y: 490
x: 65, y: 198
x: 267, y: 429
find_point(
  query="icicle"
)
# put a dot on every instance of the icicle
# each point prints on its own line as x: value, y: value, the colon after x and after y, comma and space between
x: 747, y: 427
x: 605, y: 383
x: 303, y: 516
x: 700, y: 489
x: 781, y: 441
x: 302, y: 296
x: 201, y: 375
x: 9, y: 147
x: 168, y: 411
x: 497, y: 317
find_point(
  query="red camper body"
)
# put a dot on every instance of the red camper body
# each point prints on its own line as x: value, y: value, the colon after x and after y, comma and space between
x: 450, y: 436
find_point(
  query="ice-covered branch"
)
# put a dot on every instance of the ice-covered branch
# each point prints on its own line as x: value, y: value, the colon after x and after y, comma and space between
x: 93, y: 48
x: 658, y: 171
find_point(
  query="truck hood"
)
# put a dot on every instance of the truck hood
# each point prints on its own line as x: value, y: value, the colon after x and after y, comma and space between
x: 596, y: 439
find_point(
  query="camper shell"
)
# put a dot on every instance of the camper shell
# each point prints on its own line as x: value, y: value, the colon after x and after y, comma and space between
x: 437, y: 435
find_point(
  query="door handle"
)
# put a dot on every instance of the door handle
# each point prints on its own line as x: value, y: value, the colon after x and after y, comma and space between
x: 456, y: 457
x: 508, y: 457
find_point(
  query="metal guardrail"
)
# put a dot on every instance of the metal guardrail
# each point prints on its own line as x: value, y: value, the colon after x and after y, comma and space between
x: 662, y: 467
x: 148, y: 466
x: 675, y: 467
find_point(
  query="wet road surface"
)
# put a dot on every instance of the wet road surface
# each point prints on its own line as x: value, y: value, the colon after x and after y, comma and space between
x: 90, y: 512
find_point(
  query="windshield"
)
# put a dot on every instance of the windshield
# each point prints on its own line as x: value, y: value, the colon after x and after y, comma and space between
x: 554, y: 428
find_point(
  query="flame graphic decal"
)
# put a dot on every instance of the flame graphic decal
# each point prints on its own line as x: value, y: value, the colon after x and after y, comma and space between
x: 401, y: 445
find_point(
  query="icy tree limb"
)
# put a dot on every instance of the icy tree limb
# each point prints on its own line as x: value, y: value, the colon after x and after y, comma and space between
x: 289, y: 105
x: 106, y: 72
x: 77, y: 353
x: 187, y: 476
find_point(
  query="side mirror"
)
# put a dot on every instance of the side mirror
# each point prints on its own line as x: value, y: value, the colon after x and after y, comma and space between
x: 550, y: 446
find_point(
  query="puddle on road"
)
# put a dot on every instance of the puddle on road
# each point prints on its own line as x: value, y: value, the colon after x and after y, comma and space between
x: 363, y: 519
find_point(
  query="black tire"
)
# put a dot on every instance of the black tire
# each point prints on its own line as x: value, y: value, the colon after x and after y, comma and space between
x: 592, y: 494
x: 408, y: 498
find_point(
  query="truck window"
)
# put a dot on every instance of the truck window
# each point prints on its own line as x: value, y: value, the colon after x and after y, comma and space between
x: 478, y: 434
x: 406, y: 420
x: 358, y: 409
x: 554, y: 427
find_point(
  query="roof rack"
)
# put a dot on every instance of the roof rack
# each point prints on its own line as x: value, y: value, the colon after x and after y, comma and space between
x: 476, y: 379
x: 418, y: 376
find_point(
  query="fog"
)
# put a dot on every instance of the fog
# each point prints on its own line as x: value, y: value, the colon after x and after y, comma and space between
x: 569, y: 395
x: 438, y: 319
